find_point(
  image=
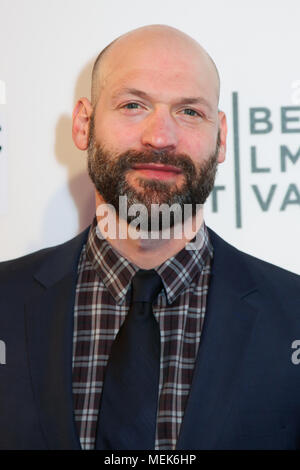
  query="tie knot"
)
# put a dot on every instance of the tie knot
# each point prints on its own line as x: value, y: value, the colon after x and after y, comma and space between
x: 146, y: 285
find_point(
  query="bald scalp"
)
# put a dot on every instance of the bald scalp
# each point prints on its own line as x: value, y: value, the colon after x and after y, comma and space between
x: 162, y: 31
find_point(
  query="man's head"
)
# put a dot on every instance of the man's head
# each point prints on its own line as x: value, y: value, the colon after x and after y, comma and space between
x: 152, y: 31
x: 153, y: 130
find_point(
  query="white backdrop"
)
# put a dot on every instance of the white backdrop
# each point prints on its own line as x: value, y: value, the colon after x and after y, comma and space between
x: 47, y: 48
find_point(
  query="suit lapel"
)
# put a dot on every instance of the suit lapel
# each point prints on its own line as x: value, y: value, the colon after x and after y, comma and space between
x: 229, y: 321
x: 49, y: 329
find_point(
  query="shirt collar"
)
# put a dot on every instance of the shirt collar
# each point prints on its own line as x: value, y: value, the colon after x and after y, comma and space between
x: 177, y: 272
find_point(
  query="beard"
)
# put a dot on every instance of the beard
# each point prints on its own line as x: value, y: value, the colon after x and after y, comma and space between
x: 108, y: 171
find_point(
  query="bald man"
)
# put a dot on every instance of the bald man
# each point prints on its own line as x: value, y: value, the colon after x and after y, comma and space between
x: 147, y: 330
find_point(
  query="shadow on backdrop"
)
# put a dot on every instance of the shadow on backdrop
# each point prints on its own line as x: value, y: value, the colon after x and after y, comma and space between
x: 79, y: 184
x: 76, y: 197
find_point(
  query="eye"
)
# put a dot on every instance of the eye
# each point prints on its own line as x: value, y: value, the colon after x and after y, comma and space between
x: 132, y: 105
x: 191, y: 112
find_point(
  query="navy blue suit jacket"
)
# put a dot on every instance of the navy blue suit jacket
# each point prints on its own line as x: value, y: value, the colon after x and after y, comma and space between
x: 246, y: 388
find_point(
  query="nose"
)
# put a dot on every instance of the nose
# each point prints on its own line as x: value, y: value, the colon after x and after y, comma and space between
x: 159, y: 132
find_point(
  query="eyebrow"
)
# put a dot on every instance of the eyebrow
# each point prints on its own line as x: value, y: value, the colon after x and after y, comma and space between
x: 144, y: 95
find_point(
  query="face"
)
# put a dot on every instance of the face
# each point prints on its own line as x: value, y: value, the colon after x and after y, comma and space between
x: 155, y: 134
x: 109, y: 173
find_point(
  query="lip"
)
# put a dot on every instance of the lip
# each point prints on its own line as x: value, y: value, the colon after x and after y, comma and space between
x: 156, y: 167
x: 157, y: 171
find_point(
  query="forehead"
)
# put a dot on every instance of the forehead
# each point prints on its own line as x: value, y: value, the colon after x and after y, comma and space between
x: 163, y: 68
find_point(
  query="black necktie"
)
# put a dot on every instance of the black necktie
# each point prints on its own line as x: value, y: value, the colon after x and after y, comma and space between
x: 128, y: 410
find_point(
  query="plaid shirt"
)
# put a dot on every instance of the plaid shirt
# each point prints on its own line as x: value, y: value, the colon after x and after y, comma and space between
x: 101, y: 304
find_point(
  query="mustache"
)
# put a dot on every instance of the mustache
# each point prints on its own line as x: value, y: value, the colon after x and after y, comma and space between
x: 125, y: 161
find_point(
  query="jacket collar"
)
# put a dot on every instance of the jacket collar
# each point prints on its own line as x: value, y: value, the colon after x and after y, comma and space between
x: 61, y: 260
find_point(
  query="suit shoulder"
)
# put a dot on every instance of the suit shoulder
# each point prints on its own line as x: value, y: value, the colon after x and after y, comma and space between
x: 272, y: 273
x: 28, y: 264
x: 24, y: 262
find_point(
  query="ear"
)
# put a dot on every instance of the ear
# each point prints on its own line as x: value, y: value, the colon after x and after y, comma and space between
x: 223, y: 136
x: 81, y: 123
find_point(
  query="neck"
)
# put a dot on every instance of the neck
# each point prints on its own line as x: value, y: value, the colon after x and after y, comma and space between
x: 138, y: 247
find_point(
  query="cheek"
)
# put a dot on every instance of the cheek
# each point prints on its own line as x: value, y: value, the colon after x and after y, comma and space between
x: 194, y: 147
x: 116, y: 136
x: 198, y: 146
